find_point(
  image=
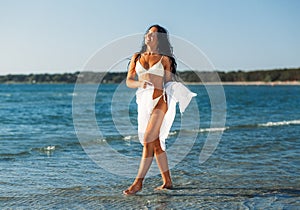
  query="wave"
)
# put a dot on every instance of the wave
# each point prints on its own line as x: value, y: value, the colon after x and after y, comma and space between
x: 72, y: 94
x: 222, y: 129
x: 11, y: 155
x: 204, y: 130
x: 250, y: 126
x: 45, y: 149
x: 280, y: 123
x: 172, y: 133
x: 130, y: 137
x: 48, y: 148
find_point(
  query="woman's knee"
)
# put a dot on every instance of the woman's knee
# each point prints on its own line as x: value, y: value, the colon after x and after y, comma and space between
x: 148, y: 150
x: 150, y: 137
x: 152, y: 148
x: 157, y: 148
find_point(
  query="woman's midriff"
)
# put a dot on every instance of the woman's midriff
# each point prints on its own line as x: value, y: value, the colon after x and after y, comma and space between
x: 157, y: 82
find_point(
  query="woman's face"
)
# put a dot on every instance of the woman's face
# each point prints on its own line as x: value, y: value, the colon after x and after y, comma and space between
x: 151, y: 37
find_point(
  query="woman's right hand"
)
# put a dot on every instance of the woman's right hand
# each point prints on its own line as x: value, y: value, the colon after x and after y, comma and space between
x: 144, y: 83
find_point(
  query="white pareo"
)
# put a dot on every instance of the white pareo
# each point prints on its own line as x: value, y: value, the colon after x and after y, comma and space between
x: 176, y: 92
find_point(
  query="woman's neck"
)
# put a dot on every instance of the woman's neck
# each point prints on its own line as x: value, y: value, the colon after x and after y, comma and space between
x: 151, y: 50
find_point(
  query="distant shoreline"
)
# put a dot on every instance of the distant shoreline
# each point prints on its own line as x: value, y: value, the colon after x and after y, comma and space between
x: 255, y: 83
x: 270, y: 77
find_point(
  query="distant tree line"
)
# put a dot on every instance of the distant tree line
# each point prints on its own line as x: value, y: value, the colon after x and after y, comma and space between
x: 185, y: 76
x: 243, y: 76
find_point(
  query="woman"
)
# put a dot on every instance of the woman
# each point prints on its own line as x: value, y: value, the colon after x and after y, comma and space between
x: 153, y: 65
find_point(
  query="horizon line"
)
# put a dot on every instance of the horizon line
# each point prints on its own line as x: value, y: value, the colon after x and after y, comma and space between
x: 181, y: 70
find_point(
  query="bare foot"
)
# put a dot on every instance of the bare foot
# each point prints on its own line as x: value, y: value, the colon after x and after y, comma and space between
x: 164, y: 187
x: 133, y: 189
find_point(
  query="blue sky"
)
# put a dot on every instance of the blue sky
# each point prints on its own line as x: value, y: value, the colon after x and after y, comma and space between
x: 51, y: 36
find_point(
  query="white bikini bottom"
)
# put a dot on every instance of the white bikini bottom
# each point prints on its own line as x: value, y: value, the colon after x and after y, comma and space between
x: 175, y: 92
x: 146, y: 104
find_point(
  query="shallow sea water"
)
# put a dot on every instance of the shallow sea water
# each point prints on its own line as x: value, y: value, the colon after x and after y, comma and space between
x: 44, y: 165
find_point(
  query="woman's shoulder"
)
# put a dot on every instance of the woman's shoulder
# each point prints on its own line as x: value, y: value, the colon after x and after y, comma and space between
x: 165, y: 60
x: 136, y: 55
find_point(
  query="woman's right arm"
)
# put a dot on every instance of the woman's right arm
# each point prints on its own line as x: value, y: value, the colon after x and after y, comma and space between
x: 130, y: 81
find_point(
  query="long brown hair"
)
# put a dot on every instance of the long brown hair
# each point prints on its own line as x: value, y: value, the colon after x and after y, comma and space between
x: 164, y: 47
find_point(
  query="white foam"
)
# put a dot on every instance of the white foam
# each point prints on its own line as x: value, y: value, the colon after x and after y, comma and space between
x: 126, y: 138
x: 72, y: 94
x: 280, y: 123
x: 203, y: 130
x: 49, y: 148
x: 130, y: 137
x: 172, y: 133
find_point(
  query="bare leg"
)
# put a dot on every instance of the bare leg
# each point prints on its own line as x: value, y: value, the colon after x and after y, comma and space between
x: 145, y: 164
x: 151, y: 147
x: 162, y: 162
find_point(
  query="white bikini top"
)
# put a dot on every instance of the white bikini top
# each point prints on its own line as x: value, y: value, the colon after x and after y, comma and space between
x: 156, y: 69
